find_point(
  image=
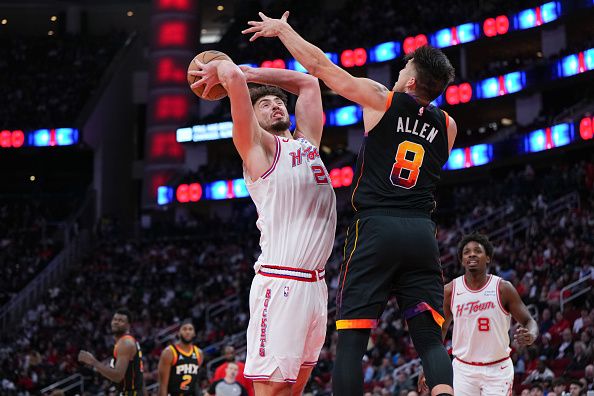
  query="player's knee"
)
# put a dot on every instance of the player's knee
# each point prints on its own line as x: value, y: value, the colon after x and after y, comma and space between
x: 425, y: 332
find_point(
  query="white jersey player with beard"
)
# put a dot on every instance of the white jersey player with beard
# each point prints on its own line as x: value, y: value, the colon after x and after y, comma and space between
x: 296, y: 206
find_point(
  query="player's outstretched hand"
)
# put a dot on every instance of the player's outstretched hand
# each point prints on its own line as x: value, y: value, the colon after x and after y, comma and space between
x: 523, y: 336
x: 209, y: 76
x: 267, y: 27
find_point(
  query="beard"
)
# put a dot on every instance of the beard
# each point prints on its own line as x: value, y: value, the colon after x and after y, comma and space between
x: 186, y: 341
x: 280, y: 126
x: 118, y: 332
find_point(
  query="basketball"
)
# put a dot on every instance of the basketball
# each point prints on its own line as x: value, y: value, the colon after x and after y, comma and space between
x: 217, y: 92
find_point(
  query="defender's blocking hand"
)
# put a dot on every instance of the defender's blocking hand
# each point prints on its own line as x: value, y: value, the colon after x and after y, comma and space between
x: 268, y: 27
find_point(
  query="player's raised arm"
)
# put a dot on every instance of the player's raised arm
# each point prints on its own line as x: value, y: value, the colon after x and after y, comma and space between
x: 363, y: 91
x: 308, y: 109
x: 164, y: 370
x: 248, y: 137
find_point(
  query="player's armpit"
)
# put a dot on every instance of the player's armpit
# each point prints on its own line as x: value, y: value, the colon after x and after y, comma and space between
x: 364, y: 91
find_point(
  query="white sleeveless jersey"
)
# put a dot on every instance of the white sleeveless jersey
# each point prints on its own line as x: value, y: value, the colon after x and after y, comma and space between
x: 296, y: 208
x: 481, y: 324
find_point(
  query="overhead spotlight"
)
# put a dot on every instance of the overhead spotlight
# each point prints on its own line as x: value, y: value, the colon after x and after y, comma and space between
x: 539, y: 54
x: 204, y: 31
x: 50, y: 33
x: 32, y: 178
x: 220, y: 7
x: 506, y: 122
x: 130, y: 13
x: 53, y: 18
x: 4, y: 21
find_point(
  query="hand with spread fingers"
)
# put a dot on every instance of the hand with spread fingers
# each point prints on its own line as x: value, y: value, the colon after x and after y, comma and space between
x: 523, y: 336
x: 208, y: 74
x: 268, y: 27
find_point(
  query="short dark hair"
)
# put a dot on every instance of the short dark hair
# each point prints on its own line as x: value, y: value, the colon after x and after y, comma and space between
x: 187, y: 321
x: 434, y: 71
x: 125, y: 312
x: 478, y: 238
x: 537, y: 386
x: 258, y: 91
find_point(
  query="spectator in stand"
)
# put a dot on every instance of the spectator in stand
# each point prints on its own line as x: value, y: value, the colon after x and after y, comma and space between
x: 559, y: 325
x: 540, y: 374
x: 565, y: 349
x: 228, y: 385
x: 559, y: 386
x: 580, y: 359
x: 231, y: 358
x: 589, y: 376
x: 536, y: 390
x: 546, y: 349
x: 582, y: 321
x: 545, y: 321
x: 575, y: 388
x: 403, y: 381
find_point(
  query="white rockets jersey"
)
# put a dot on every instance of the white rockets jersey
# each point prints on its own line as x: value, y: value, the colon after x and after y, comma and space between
x: 296, y: 208
x: 481, y: 324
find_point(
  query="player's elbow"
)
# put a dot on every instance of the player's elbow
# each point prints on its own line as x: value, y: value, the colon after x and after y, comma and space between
x: 118, y: 377
x: 232, y: 77
x: 310, y: 84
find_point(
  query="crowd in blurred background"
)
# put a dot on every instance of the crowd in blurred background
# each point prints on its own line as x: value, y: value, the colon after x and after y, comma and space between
x: 165, y: 280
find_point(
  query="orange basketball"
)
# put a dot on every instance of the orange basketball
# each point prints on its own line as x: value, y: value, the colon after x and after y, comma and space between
x: 217, y: 92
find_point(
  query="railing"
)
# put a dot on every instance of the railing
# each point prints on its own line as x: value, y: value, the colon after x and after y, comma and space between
x: 495, y: 215
x: 577, y: 288
x: 407, y: 368
x: 568, y: 201
x: 168, y: 333
x: 221, y: 306
x: 510, y: 230
x: 72, y: 382
x: 36, y: 289
x: 152, y: 388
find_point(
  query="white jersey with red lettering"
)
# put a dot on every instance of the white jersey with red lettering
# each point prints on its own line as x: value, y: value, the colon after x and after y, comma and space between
x: 288, y: 297
x: 296, y: 208
x: 481, y: 323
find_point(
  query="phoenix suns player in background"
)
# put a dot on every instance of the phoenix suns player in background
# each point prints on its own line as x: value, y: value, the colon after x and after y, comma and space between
x: 179, y: 364
x: 126, y: 369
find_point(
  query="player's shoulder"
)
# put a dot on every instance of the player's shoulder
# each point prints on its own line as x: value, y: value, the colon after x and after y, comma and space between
x: 503, y: 284
x: 505, y: 288
x: 449, y: 286
x: 167, y: 351
x: 127, y: 340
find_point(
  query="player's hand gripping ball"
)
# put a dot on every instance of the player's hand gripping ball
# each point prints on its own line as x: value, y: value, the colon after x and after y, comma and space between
x: 217, y: 92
